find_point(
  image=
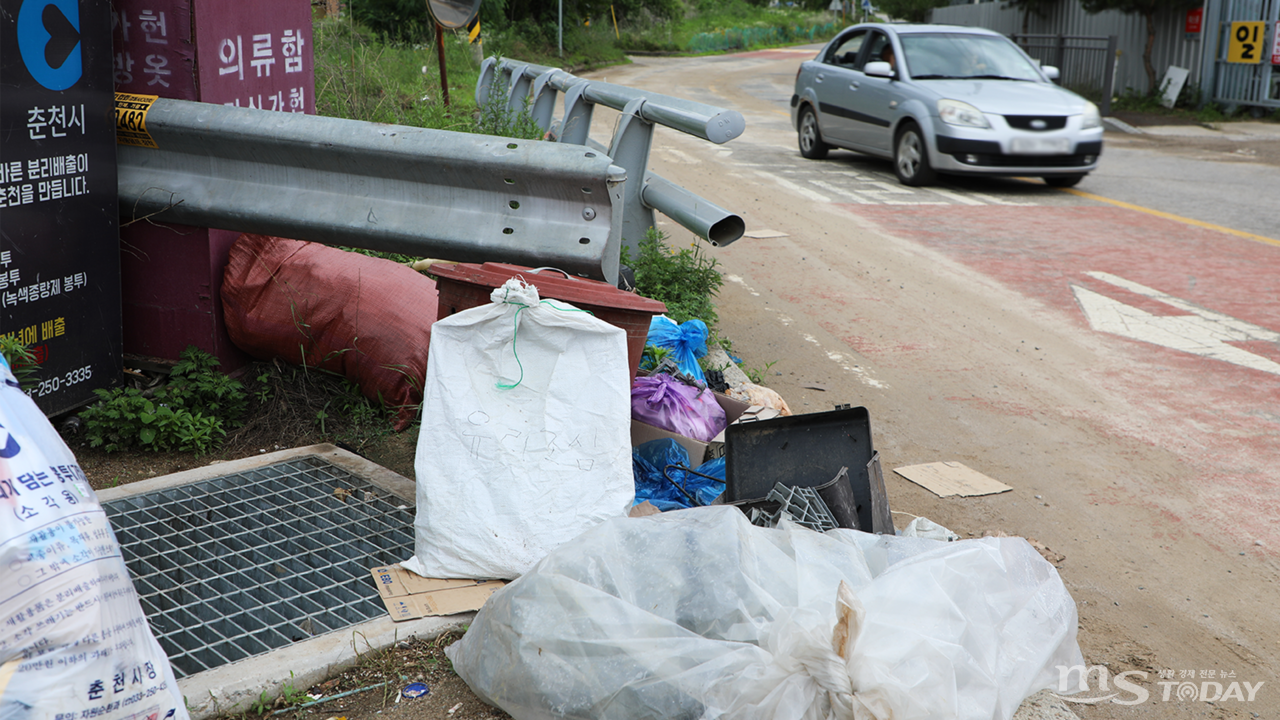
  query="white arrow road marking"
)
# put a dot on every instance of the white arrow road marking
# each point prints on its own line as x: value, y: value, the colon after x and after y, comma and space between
x: 1203, y: 332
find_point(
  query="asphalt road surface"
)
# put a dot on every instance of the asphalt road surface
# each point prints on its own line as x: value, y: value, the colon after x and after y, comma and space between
x: 1111, y: 353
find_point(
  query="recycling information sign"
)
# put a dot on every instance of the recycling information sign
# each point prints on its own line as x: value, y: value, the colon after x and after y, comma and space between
x: 59, y: 224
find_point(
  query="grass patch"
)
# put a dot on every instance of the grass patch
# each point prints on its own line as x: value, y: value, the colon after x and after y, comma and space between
x: 360, y: 76
x: 711, y: 27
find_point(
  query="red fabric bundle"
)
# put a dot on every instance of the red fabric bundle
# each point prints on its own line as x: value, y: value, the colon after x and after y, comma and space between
x: 365, y: 318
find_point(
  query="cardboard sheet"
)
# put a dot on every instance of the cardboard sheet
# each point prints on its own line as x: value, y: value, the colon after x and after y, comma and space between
x: 764, y: 234
x: 945, y: 479
x: 409, y: 596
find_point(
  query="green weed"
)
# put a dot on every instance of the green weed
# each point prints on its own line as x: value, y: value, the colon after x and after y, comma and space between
x: 22, y: 361
x: 496, y: 118
x: 686, y: 280
x: 191, y: 413
x: 758, y: 375
x: 653, y: 356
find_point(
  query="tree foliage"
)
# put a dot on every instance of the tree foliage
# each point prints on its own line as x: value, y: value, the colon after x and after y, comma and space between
x: 409, y: 20
x: 909, y: 10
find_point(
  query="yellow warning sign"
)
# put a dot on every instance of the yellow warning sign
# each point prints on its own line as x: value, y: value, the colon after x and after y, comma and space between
x: 473, y: 31
x: 1246, y: 42
x: 131, y: 119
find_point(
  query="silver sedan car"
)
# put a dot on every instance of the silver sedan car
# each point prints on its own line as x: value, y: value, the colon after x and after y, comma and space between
x: 944, y: 99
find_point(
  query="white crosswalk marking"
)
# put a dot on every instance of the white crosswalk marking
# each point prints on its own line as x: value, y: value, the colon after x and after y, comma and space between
x: 796, y: 187
x: 1000, y: 201
x: 841, y: 191
x: 955, y: 196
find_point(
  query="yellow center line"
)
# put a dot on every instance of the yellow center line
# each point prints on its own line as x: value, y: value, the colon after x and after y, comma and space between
x: 1176, y: 218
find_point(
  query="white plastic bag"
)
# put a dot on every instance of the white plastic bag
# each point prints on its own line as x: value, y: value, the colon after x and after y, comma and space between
x: 525, y: 439
x: 698, y: 614
x: 73, y: 639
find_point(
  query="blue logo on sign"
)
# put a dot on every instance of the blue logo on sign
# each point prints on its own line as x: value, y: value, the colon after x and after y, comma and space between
x: 49, y: 39
x: 11, y: 447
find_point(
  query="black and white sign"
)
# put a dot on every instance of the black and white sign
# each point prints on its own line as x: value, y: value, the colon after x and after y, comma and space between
x: 59, y: 224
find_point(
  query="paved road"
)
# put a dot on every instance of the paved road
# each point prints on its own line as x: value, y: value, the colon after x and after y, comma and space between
x: 1111, y: 353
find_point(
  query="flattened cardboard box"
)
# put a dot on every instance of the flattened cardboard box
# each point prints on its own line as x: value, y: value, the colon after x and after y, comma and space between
x: 409, y: 596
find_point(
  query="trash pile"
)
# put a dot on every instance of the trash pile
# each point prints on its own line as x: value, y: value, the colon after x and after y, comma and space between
x: 699, y: 614
x: 676, y: 552
x: 679, y: 544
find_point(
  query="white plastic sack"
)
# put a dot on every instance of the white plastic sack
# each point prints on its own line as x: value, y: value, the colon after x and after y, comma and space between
x: 74, y: 642
x: 698, y: 614
x: 525, y: 439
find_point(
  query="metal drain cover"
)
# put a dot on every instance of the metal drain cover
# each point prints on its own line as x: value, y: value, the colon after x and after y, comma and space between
x: 239, y: 565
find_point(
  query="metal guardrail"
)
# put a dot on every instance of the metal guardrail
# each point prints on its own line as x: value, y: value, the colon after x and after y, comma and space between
x: 429, y: 193
x: 539, y: 85
x: 1086, y: 63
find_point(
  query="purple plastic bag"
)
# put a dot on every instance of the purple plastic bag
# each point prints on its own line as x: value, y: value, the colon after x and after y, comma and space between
x: 666, y: 403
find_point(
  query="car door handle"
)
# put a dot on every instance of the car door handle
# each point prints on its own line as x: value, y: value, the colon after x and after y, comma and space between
x: 853, y: 86
x: 818, y: 78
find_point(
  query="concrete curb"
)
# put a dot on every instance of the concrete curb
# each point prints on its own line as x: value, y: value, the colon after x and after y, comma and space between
x: 1122, y: 126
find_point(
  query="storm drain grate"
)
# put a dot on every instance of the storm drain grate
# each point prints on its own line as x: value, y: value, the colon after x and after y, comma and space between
x: 246, y: 563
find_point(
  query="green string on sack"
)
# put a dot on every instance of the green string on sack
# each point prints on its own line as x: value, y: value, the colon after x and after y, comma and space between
x: 516, y: 332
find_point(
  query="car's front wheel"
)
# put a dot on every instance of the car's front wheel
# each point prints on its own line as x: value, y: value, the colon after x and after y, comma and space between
x: 811, y: 144
x: 1063, y: 181
x: 911, y: 157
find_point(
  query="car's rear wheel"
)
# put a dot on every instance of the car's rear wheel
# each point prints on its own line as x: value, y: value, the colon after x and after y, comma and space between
x: 811, y: 144
x: 911, y: 157
x: 1063, y: 181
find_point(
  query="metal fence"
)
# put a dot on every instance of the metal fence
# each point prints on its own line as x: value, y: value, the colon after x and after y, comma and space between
x: 1086, y: 64
x: 1172, y: 45
x: 1238, y: 83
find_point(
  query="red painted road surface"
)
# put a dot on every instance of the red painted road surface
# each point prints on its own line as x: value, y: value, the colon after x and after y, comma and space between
x: 1220, y: 418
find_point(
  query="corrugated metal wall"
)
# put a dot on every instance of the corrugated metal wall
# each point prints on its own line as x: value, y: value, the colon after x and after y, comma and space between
x: 1068, y: 18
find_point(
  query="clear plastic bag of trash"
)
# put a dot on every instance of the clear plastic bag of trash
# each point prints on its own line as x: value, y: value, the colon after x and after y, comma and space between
x: 698, y: 614
x: 76, y: 643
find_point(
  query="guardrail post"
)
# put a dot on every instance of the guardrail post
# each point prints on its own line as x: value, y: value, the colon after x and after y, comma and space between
x: 518, y: 90
x: 1109, y: 76
x: 544, y: 100
x: 630, y: 151
x: 488, y: 69
x: 575, y: 128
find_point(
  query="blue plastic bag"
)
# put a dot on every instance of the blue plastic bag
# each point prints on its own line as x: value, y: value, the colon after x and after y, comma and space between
x: 686, y: 341
x: 669, y: 488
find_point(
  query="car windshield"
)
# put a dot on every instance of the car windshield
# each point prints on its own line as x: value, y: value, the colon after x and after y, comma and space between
x: 945, y: 56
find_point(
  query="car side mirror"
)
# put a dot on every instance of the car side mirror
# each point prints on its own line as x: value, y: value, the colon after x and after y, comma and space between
x: 1051, y: 72
x: 878, y: 68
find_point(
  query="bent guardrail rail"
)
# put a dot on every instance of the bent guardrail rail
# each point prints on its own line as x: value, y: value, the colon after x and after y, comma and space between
x: 641, y: 110
x: 429, y: 193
